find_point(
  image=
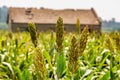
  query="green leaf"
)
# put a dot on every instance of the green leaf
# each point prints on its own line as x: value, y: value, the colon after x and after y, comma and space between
x: 106, y: 76
x: 47, y: 57
x: 111, y: 67
x: 103, y: 61
x: 9, y: 66
x: 88, y: 72
x: 61, y: 65
x: 18, y: 73
x: 22, y: 65
x: 26, y: 75
x: 90, y: 77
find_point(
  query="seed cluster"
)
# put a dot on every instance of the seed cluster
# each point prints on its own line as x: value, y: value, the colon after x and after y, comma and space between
x: 39, y: 63
x: 109, y: 43
x: 33, y: 33
x: 73, y: 55
x: 116, y: 37
x: 78, y: 26
x: 83, y: 40
x: 59, y: 34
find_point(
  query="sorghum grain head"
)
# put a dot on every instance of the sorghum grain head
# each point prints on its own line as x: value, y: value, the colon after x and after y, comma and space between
x: 78, y: 26
x: 73, y: 55
x: 83, y: 40
x: 33, y: 33
x: 109, y: 43
x: 39, y: 63
x: 116, y: 38
x: 59, y: 34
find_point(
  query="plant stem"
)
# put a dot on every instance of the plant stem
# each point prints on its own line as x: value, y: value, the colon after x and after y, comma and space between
x: 111, y: 66
x: 72, y: 78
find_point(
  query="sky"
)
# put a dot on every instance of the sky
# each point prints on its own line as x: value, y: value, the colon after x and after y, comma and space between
x: 106, y: 9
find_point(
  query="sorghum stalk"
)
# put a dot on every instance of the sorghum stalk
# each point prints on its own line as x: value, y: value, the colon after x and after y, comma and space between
x: 73, y: 56
x: 83, y: 40
x: 3, y: 43
x: 60, y: 59
x: 16, y: 42
x: 59, y: 34
x: 109, y: 44
x: 51, y: 53
x: 16, y: 52
x: 39, y: 63
x: 33, y: 33
x: 116, y: 37
x: 78, y: 26
x: 10, y: 35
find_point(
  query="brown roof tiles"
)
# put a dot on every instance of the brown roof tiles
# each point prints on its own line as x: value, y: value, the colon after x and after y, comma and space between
x: 24, y: 15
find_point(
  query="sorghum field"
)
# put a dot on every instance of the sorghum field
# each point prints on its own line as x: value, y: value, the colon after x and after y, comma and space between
x: 59, y: 55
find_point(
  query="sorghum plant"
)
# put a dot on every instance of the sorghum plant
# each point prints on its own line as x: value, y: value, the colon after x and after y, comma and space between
x: 78, y: 26
x: 10, y: 35
x: 59, y: 41
x: 116, y: 38
x: 109, y: 44
x: 33, y: 33
x: 59, y: 34
x: 83, y: 40
x: 39, y: 63
x: 16, y: 42
x: 73, y: 56
x: 3, y: 43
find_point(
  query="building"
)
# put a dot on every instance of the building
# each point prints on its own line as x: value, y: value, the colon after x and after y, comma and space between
x: 45, y: 19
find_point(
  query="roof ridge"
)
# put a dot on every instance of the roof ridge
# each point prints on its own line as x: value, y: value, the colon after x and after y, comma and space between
x: 95, y: 14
